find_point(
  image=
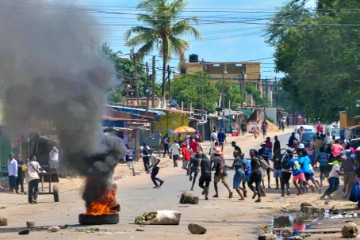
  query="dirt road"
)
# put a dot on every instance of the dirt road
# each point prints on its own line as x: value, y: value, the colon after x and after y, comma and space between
x: 224, y: 218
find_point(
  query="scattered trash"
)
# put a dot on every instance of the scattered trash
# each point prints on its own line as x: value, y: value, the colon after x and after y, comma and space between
x: 280, y: 198
x: 266, y: 236
x: 327, y: 213
x: 139, y: 230
x: 338, y: 216
x: 196, y: 228
x: 161, y: 217
x: 54, y: 229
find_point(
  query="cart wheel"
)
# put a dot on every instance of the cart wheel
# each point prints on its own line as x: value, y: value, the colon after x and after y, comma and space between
x: 56, y: 193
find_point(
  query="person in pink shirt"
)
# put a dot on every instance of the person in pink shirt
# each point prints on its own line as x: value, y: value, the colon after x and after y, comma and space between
x: 336, y: 149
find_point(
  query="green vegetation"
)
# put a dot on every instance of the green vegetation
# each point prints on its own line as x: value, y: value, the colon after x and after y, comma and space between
x: 251, y: 89
x: 162, y: 27
x: 188, y: 89
x: 319, y: 52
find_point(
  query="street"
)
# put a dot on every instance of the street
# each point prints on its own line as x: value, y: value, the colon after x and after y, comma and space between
x: 224, y: 218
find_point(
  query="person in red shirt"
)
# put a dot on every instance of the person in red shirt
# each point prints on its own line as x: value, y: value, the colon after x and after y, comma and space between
x: 320, y: 128
x: 336, y: 149
x: 186, y: 156
x: 194, y: 145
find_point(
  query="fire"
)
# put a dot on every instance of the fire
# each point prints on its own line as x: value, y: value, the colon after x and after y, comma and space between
x: 106, y: 204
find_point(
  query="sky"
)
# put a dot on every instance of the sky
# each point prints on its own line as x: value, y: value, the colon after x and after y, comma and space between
x: 241, y: 40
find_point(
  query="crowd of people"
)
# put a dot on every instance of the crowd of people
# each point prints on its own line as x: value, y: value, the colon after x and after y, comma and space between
x: 298, y: 162
x: 28, y: 171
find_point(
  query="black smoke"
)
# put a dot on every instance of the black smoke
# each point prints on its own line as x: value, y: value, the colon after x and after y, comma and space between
x: 54, y: 75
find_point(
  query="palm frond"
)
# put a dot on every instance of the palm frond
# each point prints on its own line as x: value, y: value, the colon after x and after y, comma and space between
x: 183, y: 27
x: 145, y: 49
x: 179, y: 46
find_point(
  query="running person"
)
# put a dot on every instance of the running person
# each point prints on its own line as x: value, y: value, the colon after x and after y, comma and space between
x: 255, y: 176
x: 220, y: 173
x: 155, y: 169
x: 239, y: 165
x: 205, y: 177
x: 193, y: 169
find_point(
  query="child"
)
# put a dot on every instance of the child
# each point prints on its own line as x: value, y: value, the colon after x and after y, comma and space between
x: 325, y: 168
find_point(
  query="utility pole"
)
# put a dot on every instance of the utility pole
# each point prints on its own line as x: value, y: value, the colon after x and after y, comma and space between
x: 242, y: 85
x: 169, y: 80
x: 153, y: 82
x: 147, y: 88
x: 133, y: 57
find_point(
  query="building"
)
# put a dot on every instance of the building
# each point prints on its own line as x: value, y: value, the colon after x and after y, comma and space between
x: 234, y: 72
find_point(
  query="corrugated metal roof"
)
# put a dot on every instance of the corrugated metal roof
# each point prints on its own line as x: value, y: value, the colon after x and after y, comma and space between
x: 135, y: 110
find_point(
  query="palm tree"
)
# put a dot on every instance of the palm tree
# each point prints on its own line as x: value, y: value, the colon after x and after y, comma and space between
x: 162, y: 28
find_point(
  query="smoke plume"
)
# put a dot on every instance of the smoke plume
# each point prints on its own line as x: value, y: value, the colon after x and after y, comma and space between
x: 55, y: 75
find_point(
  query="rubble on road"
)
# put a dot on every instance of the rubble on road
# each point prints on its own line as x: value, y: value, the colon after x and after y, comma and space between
x: 349, y: 230
x: 54, y: 229
x: 24, y: 232
x: 266, y: 236
x: 196, y: 228
x: 30, y: 224
x: 3, y: 221
x: 188, y: 198
x: 160, y: 217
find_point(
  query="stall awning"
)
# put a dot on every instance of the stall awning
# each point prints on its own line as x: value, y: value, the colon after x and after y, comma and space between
x: 136, y: 111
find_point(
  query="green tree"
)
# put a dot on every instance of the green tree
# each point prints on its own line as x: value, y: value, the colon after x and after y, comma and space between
x: 251, y: 89
x: 232, y: 93
x: 195, y: 89
x: 162, y: 28
x: 319, y: 52
x: 125, y: 71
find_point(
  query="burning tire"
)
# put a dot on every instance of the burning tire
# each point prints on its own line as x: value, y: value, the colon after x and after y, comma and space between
x: 56, y: 193
x: 88, y: 219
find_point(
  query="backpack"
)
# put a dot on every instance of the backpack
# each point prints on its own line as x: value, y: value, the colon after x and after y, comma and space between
x: 145, y: 150
x: 285, y: 163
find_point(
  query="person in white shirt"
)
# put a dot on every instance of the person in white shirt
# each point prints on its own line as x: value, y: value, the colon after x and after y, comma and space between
x: 255, y: 130
x: 334, y: 180
x: 212, y: 147
x: 214, y: 135
x: 175, y: 153
x: 54, y: 159
x: 154, y: 161
x: 13, y: 172
x: 33, y: 170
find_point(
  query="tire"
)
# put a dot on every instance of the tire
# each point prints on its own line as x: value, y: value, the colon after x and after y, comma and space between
x: 87, y: 219
x: 56, y: 193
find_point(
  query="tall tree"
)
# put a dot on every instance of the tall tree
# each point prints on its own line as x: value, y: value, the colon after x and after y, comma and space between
x: 125, y: 73
x: 162, y: 29
x: 319, y: 53
x: 195, y: 89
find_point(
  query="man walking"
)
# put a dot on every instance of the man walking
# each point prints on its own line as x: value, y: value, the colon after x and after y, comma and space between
x: 205, y: 169
x: 155, y: 169
x: 166, y: 141
x: 175, y: 153
x: 13, y: 172
x: 221, y: 138
x: 264, y: 152
x: 33, y: 170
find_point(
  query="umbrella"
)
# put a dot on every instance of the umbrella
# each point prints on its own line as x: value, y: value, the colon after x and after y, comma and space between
x: 171, y: 131
x: 185, y: 129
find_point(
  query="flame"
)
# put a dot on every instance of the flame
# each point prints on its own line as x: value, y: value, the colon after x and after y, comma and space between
x: 106, y: 204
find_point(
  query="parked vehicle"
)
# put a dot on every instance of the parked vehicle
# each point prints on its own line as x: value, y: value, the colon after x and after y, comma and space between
x: 308, y: 128
x: 305, y: 136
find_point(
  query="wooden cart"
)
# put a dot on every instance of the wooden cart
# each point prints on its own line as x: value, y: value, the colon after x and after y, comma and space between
x: 50, y: 177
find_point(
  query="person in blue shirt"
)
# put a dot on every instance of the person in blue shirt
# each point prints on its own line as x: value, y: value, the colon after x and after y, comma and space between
x: 306, y: 168
x: 298, y: 175
x: 323, y: 158
x: 221, y: 138
x: 265, y: 153
x: 247, y: 173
